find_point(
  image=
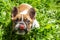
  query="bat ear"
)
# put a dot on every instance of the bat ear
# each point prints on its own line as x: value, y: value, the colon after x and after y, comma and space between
x: 32, y: 13
x: 14, y: 11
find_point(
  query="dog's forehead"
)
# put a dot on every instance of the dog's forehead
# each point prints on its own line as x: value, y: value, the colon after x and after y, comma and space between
x: 20, y: 15
x: 24, y: 12
x: 24, y: 16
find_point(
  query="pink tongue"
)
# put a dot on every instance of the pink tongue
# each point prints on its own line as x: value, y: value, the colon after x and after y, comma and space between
x: 22, y: 27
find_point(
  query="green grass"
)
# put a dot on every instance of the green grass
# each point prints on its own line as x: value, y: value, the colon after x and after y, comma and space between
x: 48, y: 16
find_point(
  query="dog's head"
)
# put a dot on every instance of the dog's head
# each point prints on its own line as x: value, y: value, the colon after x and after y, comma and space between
x: 23, y: 17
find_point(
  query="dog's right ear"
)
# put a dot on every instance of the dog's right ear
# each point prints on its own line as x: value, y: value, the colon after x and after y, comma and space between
x: 32, y: 13
x: 14, y: 11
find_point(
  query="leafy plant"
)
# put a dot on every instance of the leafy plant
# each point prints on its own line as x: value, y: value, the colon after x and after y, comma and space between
x: 48, y: 16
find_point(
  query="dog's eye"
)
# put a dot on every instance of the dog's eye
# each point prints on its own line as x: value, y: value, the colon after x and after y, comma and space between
x: 16, y: 19
x: 28, y: 21
x: 20, y: 19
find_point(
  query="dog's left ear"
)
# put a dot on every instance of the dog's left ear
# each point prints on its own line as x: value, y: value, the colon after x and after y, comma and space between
x: 14, y: 11
x: 32, y: 13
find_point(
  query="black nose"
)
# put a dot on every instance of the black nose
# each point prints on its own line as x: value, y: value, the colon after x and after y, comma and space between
x: 22, y: 23
x: 22, y: 26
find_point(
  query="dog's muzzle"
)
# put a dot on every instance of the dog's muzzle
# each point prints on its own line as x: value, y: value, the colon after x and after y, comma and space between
x: 21, y: 28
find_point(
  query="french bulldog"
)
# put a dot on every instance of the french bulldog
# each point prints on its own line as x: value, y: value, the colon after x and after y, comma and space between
x: 23, y: 18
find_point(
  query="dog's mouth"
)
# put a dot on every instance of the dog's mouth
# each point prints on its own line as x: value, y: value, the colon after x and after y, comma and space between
x: 21, y: 32
x: 21, y: 28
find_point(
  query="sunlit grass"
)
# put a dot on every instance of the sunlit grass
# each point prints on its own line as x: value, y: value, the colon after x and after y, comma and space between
x: 48, y: 16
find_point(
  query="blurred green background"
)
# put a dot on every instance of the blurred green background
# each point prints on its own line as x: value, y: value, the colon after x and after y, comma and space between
x: 48, y: 16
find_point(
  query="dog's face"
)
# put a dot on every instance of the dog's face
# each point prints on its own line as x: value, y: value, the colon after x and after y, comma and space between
x: 23, y: 17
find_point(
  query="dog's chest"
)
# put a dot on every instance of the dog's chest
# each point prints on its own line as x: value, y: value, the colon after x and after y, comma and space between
x: 35, y: 24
